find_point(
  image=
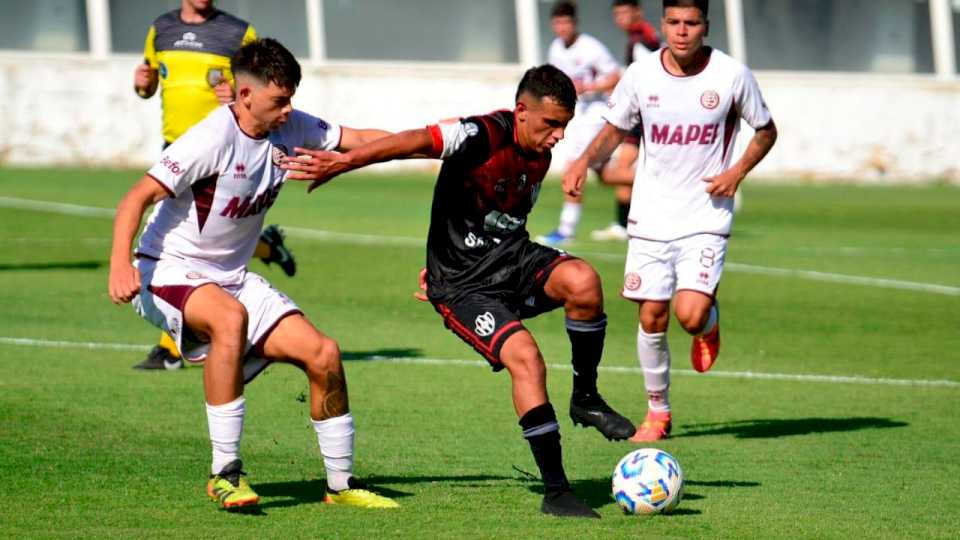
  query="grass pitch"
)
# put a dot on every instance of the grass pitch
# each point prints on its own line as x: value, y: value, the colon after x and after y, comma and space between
x: 859, y: 286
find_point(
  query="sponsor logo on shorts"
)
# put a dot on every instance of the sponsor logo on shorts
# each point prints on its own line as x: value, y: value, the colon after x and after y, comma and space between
x: 278, y: 152
x: 708, y: 257
x: 195, y: 275
x: 704, y: 278
x: 710, y: 99
x: 631, y: 281
x: 485, y: 324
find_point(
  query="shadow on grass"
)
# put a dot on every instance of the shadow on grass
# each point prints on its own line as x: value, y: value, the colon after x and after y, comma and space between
x: 380, y: 354
x: 79, y: 265
x: 311, y: 491
x: 785, y: 427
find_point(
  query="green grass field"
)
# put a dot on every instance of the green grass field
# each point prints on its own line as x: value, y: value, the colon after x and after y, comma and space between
x: 835, y: 281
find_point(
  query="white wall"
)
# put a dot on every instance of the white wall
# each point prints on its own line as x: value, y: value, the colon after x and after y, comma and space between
x: 77, y: 111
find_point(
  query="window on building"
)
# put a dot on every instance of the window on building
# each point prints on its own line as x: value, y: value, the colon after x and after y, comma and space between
x: 284, y: 20
x: 881, y: 36
x: 433, y: 30
x: 44, y: 25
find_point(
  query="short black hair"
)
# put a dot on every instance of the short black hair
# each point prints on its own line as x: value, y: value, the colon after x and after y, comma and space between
x: 547, y: 81
x: 704, y: 5
x: 618, y: 3
x: 564, y: 9
x: 268, y: 61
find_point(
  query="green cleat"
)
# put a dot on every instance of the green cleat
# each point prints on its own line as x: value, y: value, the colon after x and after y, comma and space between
x: 230, y: 489
x: 358, y: 494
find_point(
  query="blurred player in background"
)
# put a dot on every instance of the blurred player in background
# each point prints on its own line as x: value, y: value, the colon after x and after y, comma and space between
x: 691, y: 98
x: 619, y: 171
x: 189, y: 50
x: 484, y: 275
x: 594, y: 72
x: 212, y: 188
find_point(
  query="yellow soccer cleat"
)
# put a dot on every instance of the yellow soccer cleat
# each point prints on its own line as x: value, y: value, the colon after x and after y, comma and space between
x: 357, y: 494
x: 230, y: 489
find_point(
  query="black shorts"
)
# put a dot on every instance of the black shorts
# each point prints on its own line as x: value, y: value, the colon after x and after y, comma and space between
x: 485, y: 316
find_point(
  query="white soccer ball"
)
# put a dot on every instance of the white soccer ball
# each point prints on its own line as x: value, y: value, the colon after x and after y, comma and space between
x: 648, y: 481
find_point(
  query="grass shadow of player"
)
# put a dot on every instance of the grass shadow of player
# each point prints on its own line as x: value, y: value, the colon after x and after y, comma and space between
x: 78, y: 265
x: 380, y: 354
x: 312, y: 491
x: 786, y: 427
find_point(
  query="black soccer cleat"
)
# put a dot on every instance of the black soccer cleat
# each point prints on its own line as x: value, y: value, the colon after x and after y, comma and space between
x: 160, y: 358
x: 565, y: 504
x: 592, y: 410
x: 279, y: 253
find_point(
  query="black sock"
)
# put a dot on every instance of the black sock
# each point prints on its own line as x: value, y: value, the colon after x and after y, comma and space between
x: 541, y: 430
x: 586, y: 344
x: 623, y: 213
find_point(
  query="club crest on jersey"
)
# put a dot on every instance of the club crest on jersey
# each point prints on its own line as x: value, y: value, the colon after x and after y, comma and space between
x: 278, y: 152
x: 710, y: 99
x: 631, y: 281
x: 485, y: 324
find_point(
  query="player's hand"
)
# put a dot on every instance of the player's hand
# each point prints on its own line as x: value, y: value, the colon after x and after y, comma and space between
x: 422, y: 282
x: 574, y: 178
x: 224, y: 92
x: 124, y: 282
x: 724, y: 184
x: 580, y: 87
x: 143, y: 79
x: 316, y: 165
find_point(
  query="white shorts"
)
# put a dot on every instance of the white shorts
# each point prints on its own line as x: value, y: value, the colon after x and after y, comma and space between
x: 656, y: 270
x: 166, y: 285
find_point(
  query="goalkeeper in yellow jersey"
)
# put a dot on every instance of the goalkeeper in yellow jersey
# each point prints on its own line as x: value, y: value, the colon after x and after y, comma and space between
x: 187, y: 55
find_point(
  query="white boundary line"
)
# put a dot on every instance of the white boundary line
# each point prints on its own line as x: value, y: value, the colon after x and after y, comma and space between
x: 794, y: 377
x: 376, y: 240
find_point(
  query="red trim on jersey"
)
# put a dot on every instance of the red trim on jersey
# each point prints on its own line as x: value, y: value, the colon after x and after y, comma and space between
x: 733, y: 116
x: 175, y: 295
x: 203, y: 191
x: 436, y: 135
x: 699, y: 70
x: 164, y: 186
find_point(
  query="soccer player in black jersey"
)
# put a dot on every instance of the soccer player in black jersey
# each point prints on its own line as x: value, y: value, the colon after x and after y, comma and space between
x: 483, y: 273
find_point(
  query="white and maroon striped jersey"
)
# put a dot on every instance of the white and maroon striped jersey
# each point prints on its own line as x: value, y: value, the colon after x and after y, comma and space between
x: 221, y: 183
x: 586, y: 61
x: 689, y: 128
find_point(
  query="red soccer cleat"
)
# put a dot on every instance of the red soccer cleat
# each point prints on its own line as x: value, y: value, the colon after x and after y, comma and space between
x: 705, y: 349
x: 655, y: 427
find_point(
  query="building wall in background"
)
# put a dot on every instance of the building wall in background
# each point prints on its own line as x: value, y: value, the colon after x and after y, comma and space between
x: 875, y: 128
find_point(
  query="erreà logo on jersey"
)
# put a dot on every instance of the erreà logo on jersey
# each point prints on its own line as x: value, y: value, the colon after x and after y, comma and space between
x: 189, y: 41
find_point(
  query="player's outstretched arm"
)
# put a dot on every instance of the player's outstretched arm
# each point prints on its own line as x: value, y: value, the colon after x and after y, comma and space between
x: 124, y: 281
x: 726, y: 183
x: 320, y: 167
x: 599, y: 150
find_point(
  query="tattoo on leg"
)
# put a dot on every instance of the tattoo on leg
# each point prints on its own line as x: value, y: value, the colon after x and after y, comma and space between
x: 334, y: 395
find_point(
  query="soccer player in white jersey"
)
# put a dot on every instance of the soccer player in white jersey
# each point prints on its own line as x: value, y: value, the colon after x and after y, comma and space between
x: 595, y: 73
x: 690, y: 99
x: 212, y: 188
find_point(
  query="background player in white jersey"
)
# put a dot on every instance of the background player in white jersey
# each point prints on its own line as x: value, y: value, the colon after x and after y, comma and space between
x: 214, y: 185
x: 690, y: 99
x: 594, y: 73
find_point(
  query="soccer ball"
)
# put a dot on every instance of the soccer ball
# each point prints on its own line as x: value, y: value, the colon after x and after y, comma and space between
x: 648, y: 481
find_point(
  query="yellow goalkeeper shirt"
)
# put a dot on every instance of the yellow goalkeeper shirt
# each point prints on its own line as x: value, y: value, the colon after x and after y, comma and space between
x: 191, y: 59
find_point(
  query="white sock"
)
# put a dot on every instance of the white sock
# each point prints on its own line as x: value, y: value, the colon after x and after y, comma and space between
x: 711, y: 320
x: 226, y: 425
x: 654, y: 354
x: 335, y: 436
x: 569, y: 218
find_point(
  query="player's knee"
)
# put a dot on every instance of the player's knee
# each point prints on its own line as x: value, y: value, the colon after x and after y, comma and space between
x: 691, y: 318
x: 230, y: 323
x: 654, y: 321
x: 324, y: 356
x: 528, y: 364
x: 582, y: 284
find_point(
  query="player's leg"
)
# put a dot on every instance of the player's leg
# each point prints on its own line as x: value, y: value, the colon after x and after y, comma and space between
x: 619, y: 173
x: 649, y: 280
x: 699, y: 267
x: 163, y: 355
x: 538, y: 420
x: 575, y: 285
x: 295, y: 341
x: 271, y: 249
x: 570, y: 215
x: 213, y: 314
